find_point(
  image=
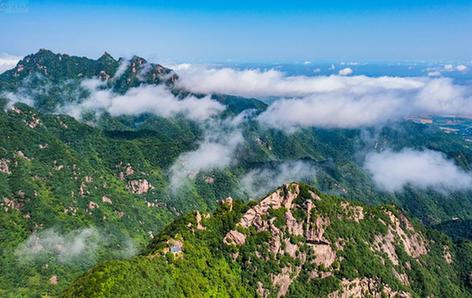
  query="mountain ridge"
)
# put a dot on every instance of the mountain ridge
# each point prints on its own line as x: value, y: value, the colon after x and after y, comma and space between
x: 53, y: 79
x: 109, y: 176
x: 293, y: 242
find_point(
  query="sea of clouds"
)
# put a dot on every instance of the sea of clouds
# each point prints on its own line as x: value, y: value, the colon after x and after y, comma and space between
x: 336, y: 101
x: 344, y: 100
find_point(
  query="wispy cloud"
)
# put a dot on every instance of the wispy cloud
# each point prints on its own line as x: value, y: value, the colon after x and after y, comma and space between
x: 217, y: 150
x: 392, y: 171
x: 13, y: 98
x: 261, y: 180
x: 7, y: 62
x: 157, y: 100
x: 78, y: 245
x: 124, y: 63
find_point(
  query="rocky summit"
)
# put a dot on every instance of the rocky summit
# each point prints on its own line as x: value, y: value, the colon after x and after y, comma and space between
x: 294, y: 242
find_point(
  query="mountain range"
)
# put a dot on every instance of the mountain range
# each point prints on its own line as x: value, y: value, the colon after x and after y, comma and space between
x: 84, y: 181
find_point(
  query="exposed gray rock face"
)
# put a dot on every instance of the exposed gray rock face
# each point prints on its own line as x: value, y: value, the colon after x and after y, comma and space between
x: 4, y: 166
x: 107, y: 200
x: 34, y: 122
x: 234, y: 238
x: 400, y: 230
x: 365, y: 287
x: 300, y: 219
x: 139, y: 186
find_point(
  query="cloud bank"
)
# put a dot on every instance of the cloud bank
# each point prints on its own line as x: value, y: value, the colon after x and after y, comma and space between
x: 375, y: 105
x: 332, y: 101
x: 262, y: 180
x: 392, y: 171
x: 157, y: 100
x: 273, y: 83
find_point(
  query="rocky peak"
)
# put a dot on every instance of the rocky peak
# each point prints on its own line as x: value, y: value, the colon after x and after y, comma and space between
x: 298, y: 242
x: 105, y: 57
x: 137, y: 60
x: 295, y: 211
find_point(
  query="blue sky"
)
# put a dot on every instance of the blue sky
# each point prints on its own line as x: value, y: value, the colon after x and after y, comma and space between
x: 262, y: 31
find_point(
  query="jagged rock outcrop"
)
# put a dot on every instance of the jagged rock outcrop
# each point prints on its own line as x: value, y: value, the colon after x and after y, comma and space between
x: 366, y: 287
x: 4, y: 166
x: 286, y: 217
x: 280, y: 242
x: 228, y: 202
x: 198, y: 219
x: 34, y: 122
x: 127, y: 171
x: 92, y: 205
x: 400, y: 230
x: 107, y: 200
x: 139, y: 186
x: 10, y: 204
x: 298, y: 243
x: 54, y: 280
x: 281, y: 198
x: 447, y: 255
x: 234, y: 237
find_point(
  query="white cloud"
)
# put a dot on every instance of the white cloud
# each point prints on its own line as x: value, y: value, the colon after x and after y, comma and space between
x: 13, y: 98
x: 448, y: 67
x: 361, y: 107
x: 8, y: 62
x: 262, y: 180
x: 461, y: 67
x: 78, y: 245
x: 345, y: 71
x: 434, y: 73
x: 270, y: 83
x: 124, y: 63
x: 63, y: 247
x: 152, y: 99
x: 391, y: 171
x: 332, y: 101
x: 211, y: 154
x: 334, y: 110
x: 216, y: 151
x: 347, y: 109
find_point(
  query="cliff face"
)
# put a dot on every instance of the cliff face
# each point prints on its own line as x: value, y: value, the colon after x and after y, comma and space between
x: 298, y: 228
x: 294, y: 242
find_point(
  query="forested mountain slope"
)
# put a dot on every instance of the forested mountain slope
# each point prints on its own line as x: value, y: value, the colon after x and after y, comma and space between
x: 100, y: 184
x: 295, y: 242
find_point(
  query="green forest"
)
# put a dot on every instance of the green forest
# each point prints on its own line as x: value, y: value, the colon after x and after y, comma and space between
x: 88, y: 206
